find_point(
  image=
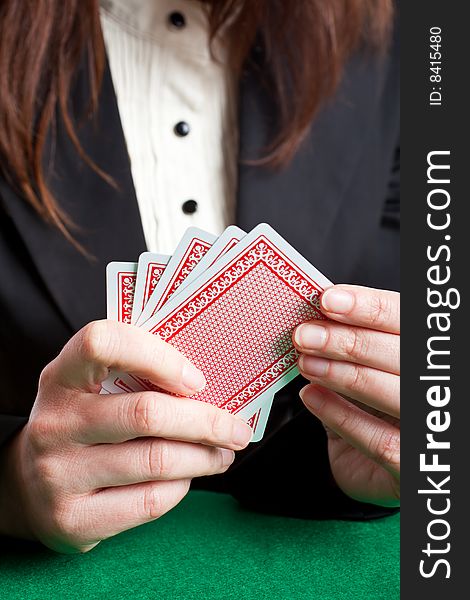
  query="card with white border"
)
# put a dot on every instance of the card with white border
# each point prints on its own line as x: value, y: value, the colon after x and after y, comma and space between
x: 150, y: 269
x: 193, y: 246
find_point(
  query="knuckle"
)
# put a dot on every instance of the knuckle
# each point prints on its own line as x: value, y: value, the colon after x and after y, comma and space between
x: 56, y: 517
x: 152, y: 503
x: 143, y: 416
x: 48, y: 472
x: 344, y: 419
x: 386, y: 448
x: 69, y: 525
x: 160, y: 460
x: 355, y: 344
x: 380, y: 309
x: 47, y: 376
x: 65, y: 521
x: 95, y: 340
x: 358, y: 379
x: 85, y: 421
x: 40, y: 433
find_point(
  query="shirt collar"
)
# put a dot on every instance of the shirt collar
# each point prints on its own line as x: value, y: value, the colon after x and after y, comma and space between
x: 151, y: 19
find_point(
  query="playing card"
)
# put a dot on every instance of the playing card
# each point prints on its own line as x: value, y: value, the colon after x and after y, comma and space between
x: 258, y: 418
x: 192, y: 247
x: 235, y: 321
x: 120, y: 284
x: 149, y: 272
x: 118, y: 384
x: 225, y: 242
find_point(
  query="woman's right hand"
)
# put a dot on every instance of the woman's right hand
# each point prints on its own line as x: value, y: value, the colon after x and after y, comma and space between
x: 88, y: 466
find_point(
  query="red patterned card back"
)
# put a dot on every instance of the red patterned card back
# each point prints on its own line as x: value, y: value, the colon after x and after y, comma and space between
x: 195, y: 252
x: 237, y: 328
x: 126, y: 287
x: 153, y: 276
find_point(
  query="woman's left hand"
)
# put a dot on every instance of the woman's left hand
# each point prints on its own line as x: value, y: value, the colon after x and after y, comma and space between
x: 353, y: 363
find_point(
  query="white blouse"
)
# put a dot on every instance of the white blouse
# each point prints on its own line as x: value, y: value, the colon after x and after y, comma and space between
x: 178, y: 110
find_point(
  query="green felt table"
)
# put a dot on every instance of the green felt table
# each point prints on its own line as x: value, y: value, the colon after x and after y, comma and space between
x: 209, y: 547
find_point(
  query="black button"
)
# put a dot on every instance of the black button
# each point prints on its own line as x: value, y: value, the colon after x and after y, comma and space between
x: 176, y: 19
x: 189, y: 207
x: 181, y: 129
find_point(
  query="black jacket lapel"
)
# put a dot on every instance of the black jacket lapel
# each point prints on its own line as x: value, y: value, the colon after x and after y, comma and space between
x: 107, y: 218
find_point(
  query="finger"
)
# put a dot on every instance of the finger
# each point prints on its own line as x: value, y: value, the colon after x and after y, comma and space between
x: 149, y: 459
x: 112, y: 510
x: 352, y: 344
x: 377, y: 439
x: 366, y: 307
x: 116, y: 418
x: 375, y: 388
x: 85, y: 360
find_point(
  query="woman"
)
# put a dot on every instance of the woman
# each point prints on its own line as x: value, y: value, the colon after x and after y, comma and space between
x: 103, y: 155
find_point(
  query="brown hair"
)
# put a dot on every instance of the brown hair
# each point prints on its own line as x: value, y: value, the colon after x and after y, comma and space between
x: 305, y: 43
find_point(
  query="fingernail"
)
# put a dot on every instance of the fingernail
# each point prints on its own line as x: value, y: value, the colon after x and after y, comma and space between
x: 310, y: 336
x: 311, y: 396
x: 242, y: 434
x: 228, y: 456
x: 193, y: 378
x: 337, y: 301
x: 311, y: 365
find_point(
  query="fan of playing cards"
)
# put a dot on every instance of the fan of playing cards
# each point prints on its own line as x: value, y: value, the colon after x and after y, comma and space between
x: 230, y: 305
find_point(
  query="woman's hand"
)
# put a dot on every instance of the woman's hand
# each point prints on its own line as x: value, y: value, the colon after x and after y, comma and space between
x: 88, y: 466
x: 353, y: 362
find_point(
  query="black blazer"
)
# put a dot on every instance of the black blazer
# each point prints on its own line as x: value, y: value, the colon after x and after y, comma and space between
x: 336, y: 202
